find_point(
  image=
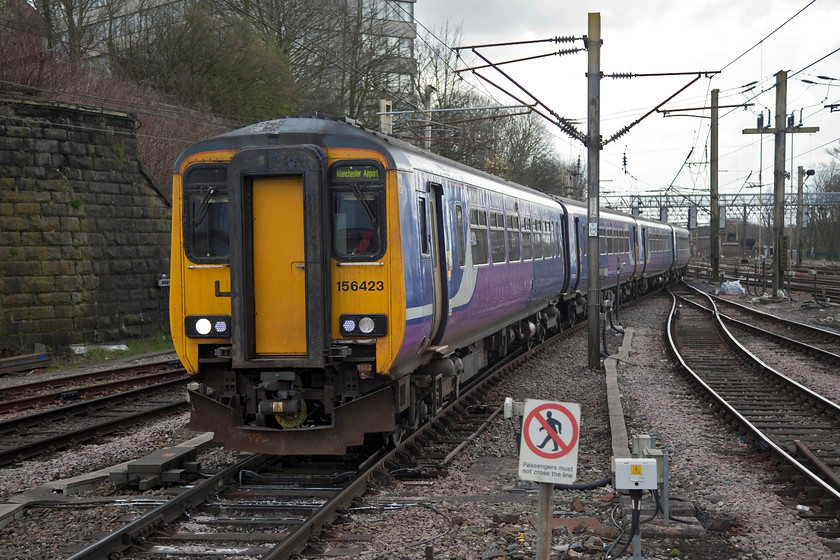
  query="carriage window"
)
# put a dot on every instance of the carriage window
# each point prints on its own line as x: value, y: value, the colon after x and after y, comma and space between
x: 206, y: 214
x: 497, y: 236
x: 424, y: 230
x: 358, y: 212
x: 548, y: 250
x: 478, y: 236
x: 513, y: 238
x: 459, y: 232
x: 537, y: 239
x: 527, y: 250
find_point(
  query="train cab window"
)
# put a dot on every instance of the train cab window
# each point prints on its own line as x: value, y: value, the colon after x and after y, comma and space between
x: 206, y: 234
x: 514, y: 251
x: 478, y: 236
x: 358, y: 211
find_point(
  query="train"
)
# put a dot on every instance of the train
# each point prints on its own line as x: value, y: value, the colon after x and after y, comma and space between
x: 332, y: 284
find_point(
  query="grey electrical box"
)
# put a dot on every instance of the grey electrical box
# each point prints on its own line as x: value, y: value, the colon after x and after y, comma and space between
x: 635, y: 474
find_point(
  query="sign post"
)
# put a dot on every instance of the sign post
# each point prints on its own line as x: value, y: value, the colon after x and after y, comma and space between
x: 548, y: 455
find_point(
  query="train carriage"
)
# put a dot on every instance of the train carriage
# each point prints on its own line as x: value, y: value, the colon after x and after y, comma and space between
x: 330, y: 282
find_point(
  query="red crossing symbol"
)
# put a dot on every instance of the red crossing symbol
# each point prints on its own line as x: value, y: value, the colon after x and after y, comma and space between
x: 564, y: 416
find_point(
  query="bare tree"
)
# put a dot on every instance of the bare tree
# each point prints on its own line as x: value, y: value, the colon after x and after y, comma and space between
x: 22, y: 38
x: 70, y: 27
x: 825, y: 220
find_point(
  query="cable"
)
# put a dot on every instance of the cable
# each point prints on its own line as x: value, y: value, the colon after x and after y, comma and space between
x: 635, y: 496
x: 768, y: 35
x: 584, y: 485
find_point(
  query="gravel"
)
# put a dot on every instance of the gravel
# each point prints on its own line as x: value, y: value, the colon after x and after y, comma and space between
x: 480, y: 510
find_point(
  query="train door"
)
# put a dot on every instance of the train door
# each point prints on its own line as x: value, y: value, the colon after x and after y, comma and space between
x: 565, y: 253
x: 437, y: 247
x: 644, y: 251
x: 278, y: 263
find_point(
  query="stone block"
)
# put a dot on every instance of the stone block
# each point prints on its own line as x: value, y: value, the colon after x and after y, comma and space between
x: 18, y: 131
x: 41, y: 285
x: 41, y: 312
x: 57, y: 237
x: 53, y: 209
x: 60, y: 300
x: 70, y: 224
x: 57, y: 325
x: 44, y: 223
x: 27, y: 208
x: 55, y: 133
x: 69, y: 283
x: 14, y: 223
x: 45, y: 146
x: 21, y: 268
x: 41, y: 253
x: 31, y: 238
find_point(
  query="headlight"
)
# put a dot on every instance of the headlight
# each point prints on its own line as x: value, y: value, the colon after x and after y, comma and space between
x: 366, y: 325
x: 363, y: 325
x: 203, y: 326
x: 207, y: 326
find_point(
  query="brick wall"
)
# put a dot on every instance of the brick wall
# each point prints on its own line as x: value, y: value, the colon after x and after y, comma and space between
x: 84, y: 233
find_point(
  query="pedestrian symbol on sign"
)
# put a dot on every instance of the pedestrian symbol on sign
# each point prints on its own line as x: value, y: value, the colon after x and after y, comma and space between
x: 553, y: 431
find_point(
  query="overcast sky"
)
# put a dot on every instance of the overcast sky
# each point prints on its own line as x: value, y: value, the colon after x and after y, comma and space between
x: 658, y: 36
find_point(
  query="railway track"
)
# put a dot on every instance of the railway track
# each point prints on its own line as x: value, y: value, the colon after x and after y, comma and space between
x: 820, y: 283
x: 818, y: 344
x: 57, y: 391
x: 27, y: 436
x: 277, y: 507
x: 800, y: 428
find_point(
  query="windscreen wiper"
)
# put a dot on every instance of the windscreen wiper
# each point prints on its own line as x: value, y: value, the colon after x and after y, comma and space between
x: 202, y: 209
x: 358, y: 192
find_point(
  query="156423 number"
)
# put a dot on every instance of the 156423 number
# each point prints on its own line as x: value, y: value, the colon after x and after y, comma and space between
x: 363, y: 286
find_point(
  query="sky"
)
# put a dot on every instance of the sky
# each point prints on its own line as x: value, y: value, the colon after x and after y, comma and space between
x: 746, y: 40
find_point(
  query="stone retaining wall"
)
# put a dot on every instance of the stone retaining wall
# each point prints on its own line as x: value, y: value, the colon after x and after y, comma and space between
x: 84, y: 233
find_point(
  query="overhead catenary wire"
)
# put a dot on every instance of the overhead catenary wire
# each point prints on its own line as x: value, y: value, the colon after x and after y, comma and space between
x: 791, y: 18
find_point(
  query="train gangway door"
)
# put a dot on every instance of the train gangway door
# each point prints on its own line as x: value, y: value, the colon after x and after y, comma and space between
x: 279, y: 271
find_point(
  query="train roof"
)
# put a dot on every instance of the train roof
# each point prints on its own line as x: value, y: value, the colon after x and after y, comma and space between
x: 343, y: 132
x: 329, y: 132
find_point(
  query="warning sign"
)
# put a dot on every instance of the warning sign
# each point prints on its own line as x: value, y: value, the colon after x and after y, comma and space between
x: 549, y: 449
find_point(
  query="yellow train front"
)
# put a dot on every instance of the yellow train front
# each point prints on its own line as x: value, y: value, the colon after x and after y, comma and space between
x: 286, y: 305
